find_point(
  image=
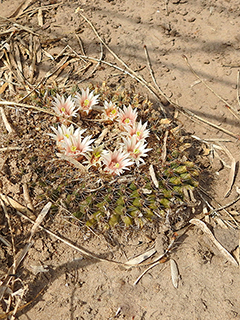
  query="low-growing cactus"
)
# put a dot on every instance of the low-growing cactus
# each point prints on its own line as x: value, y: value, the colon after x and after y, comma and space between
x: 104, y: 198
x: 136, y: 200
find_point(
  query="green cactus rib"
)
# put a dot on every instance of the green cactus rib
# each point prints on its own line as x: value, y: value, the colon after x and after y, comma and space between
x: 139, y: 202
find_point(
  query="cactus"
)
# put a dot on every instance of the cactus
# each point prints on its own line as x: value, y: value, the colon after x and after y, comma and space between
x: 103, y: 202
x: 132, y: 203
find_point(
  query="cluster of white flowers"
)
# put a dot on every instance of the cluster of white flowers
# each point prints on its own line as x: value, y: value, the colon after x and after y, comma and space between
x: 72, y: 142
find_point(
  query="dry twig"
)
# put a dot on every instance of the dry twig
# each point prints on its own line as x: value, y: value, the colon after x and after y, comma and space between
x: 20, y: 9
x: 232, y: 171
x: 5, y: 103
x: 19, y: 26
x: 145, y: 271
x: 164, y: 148
x: 27, y: 197
x: 5, y: 121
x: 151, y: 71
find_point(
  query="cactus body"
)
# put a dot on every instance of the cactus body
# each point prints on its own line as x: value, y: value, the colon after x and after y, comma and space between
x: 102, y: 201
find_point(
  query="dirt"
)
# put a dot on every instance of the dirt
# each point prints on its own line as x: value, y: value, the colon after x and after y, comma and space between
x: 69, y: 285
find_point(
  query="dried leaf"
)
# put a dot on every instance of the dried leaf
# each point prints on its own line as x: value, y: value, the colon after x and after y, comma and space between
x: 102, y: 135
x: 40, y: 218
x: 16, y: 205
x: 37, y: 46
x: 139, y: 259
x: 231, y: 178
x: 3, y: 87
x: 40, y: 17
x: 18, y: 57
x: 164, y: 148
x: 165, y: 121
x: 48, y: 55
x: 174, y: 273
x: 153, y: 176
x: 5, y: 241
x: 200, y: 224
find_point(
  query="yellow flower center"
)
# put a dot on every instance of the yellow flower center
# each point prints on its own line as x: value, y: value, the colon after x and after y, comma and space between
x: 117, y: 165
x: 67, y: 135
x: 86, y: 103
x: 73, y: 148
x: 97, y: 155
x: 63, y: 109
x: 127, y: 120
x: 113, y: 111
x: 138, y: 133
x: 136, y: 151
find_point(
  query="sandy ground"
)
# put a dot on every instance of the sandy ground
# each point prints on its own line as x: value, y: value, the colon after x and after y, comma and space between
x: 207, y: 33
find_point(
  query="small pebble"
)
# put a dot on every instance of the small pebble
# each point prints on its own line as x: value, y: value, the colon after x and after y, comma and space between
x: 191, y: 19
x: 137, y: 20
